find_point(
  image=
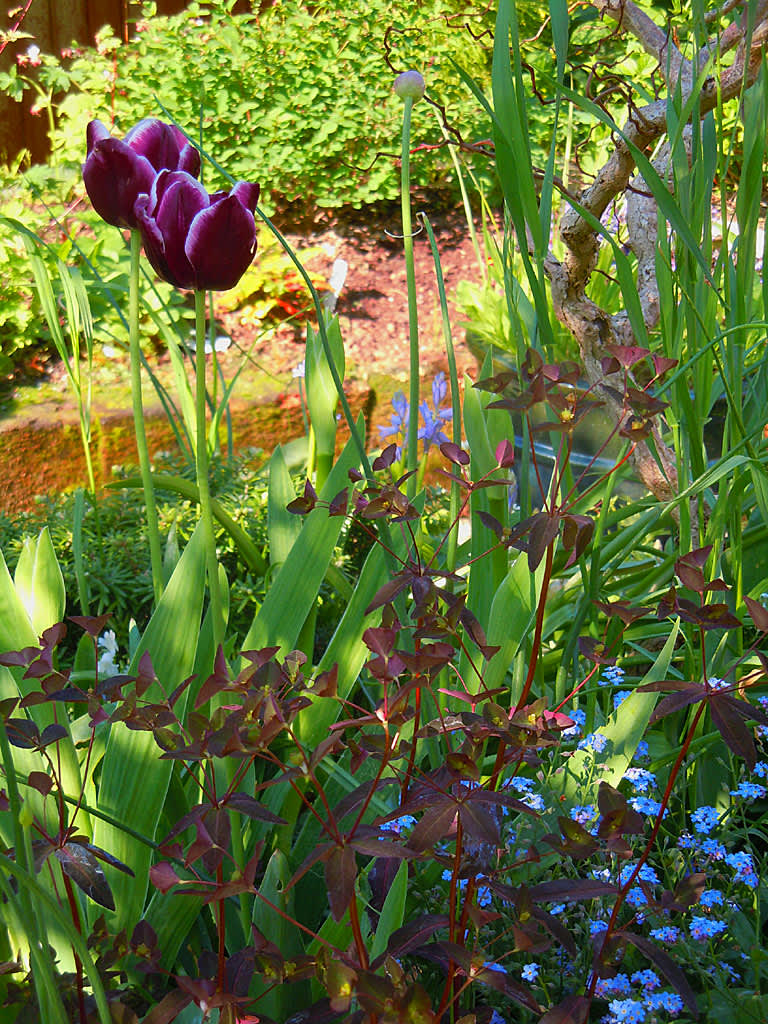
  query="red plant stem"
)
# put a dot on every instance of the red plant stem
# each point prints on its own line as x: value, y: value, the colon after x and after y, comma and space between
x: 412, y: 755
x: 354, y: 920
x: 608, y: 472
x: 535, y: 651
x: 536, y: 647
x: 652, y: 838
x: 74, y: 911
x: 222, y: 932
x: 15, y: 28
x: 374, y: 785
x: 448, y: 990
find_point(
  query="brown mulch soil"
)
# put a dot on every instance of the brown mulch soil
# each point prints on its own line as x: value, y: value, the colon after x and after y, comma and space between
x: 373, y: 304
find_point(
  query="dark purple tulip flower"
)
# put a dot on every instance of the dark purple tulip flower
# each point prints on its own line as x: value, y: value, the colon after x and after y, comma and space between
x: 196, y: 240
x: 116, y: 171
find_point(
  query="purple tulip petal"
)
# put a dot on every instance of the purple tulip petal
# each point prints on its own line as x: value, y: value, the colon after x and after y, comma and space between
x: 95, y: 132
x: 247, y: 193
x: 179, y: 198
x: 163, y: 145
x: 114, y: 176
x: 221, y: 244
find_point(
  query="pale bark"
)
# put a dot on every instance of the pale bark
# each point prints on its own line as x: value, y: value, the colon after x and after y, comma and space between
x: 594, y: 328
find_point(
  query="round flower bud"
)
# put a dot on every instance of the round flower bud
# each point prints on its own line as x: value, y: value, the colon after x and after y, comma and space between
x: 409, y: 83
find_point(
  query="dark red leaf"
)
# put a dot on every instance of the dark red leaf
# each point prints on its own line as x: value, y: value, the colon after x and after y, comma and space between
x: 730, y: 724
x: 79, y: 864
x: 490, y: 522
x: 662, y: 363
x: 340, y: 873
x: 577, y: 533
x: 628, y: 355
x: 163, y: 876
x: 758, y: 614
x: 41, y: 782
x: 52, y: 734
x: 717, y: 616
x: 250, y: 806
x: 387, y: 457
x: 411, y: 935
x: 594, y: 650
x: 388, y: 593
x: 574, y: 840
x: 573, y: 1009
x: 544, y: 530
x: 338, y: 506
x: 667, y: 966
x: 434, y: 825
x: 22, y: 732
x: 690, y: 695
x: 505, y: 454
x: 143, y: 939
x: 454, y: 453
x: 691, y: 577
x: 169, y: 1008
x: 623, y: 610
x: 93, y: 625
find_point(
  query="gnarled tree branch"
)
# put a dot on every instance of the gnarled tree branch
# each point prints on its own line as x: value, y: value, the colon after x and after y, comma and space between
x: 593, y: 328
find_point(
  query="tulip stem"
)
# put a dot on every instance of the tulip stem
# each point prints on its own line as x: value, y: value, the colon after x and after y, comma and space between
x: 410, y: 275
x: 153, y: 531
x: 203, y: 484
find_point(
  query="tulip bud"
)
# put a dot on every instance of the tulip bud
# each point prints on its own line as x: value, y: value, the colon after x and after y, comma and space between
x: 409, y: 83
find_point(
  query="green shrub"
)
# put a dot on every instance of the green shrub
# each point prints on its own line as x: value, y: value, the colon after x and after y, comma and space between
x: 297, y: 99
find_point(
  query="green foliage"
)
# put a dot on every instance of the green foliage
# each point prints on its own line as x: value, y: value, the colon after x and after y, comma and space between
x: 42, y: 201
x: 391, y: 822
x: 295, y: 97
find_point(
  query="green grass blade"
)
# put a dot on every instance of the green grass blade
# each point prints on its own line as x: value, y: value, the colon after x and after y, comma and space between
x: 295, y: 588
x: 134, y: 780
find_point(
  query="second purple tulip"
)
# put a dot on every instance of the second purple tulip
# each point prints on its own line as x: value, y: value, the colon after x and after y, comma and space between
x: 196, y: 240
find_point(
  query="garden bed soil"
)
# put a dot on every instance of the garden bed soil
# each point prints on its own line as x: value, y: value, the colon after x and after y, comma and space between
x: 40, y: 451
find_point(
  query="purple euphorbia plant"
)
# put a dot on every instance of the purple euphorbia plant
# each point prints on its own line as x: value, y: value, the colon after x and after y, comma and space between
x: 117, y: 171
x: 196, y: 240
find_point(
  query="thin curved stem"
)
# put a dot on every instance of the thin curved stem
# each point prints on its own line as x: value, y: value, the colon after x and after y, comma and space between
x: 203, y: 483
x: 410, y: 276
x: 153, y: 532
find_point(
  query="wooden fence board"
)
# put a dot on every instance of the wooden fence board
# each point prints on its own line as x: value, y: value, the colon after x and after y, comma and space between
x: 56, y: 24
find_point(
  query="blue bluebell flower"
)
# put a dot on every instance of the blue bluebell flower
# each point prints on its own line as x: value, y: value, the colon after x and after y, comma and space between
x: 583, y: 815
x: 595, y: 741
x: 626, y: 1011
x: 611, y: 675
x: 642, y: 780
x: 397, y: 825
x: 669, y: 1002
x: 742, y: 864
x: 706, y: 927
x: 646, y: 805
x: 579, y: 718
x: 647, y: 979
x: 618, y: 985
x: 749, y: 790
x: 713, y: 849
x: 705, y: 818
x: 711, y: 898
x: 530, y: 972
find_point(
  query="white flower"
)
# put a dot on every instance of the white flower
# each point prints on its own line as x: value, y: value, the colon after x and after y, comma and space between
x: 107, y: 665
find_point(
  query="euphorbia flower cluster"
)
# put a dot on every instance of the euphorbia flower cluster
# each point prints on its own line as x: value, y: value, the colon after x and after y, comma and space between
x: 147, y: 181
